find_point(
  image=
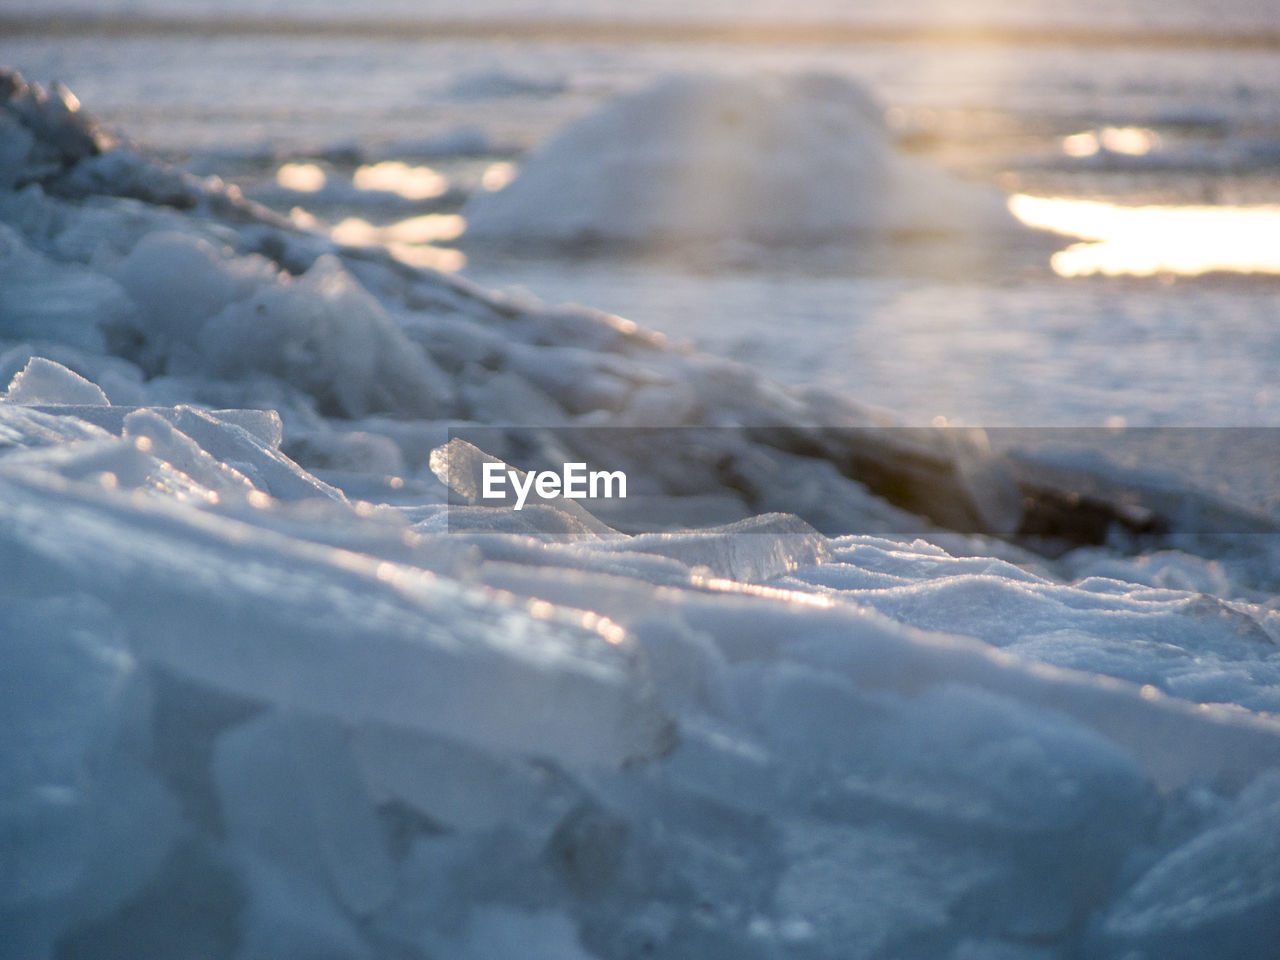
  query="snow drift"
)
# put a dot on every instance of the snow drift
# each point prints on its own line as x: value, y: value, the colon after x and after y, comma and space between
x: 782, y: 160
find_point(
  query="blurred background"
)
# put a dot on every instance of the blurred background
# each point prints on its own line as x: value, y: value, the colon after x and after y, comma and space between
x: 1147, y: 133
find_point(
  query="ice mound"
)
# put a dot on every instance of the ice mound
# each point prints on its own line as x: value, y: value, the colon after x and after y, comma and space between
x: 779, y: 160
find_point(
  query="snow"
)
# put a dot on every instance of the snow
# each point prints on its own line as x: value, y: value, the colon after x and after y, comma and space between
x: 257, y: 712
x: 53, y: 300
x: 781, y: 160
x: 44, y: 381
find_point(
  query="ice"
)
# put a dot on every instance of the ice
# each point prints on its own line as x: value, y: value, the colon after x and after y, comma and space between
x: 289, y: 789
x: 281, y: 401
x: 44, y: 299
x: 83, y: 824
x: 245, y: 715
x: 496, y: 933
x: 459, y: 465
x: 21, y: 427
x: 910, y: 891
x: 205, y: 311
x: 1217, y: 893
x: 15, y: 144
x: 353, y: 451
x: 178, y: 281
x: 802, y: 159
x: 42, y: 381
x: 247, y: 453
x: 241, y: 441
x: 111, y: 464
x: 492, y: 676
x: 290, y: 919
x: 1018, y: 771
x: 184, y: 454
x: 1175, y: 742
x: 1178, y: 642
x: 506, y: 397
x: 57, y: 692
x: 999, y: 950
x: 119, y: 379
x: 459, y: 788
x: 752, y: 551
x: 581, y: 379
x: 326, y: 334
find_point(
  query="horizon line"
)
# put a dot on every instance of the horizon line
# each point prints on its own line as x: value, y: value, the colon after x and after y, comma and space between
x: 599, y: 30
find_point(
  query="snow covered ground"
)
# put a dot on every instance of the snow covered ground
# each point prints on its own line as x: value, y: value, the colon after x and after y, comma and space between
x: 267, y: 693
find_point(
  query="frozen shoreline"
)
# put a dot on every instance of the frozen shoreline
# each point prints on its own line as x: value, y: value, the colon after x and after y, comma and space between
x: 337, y: 728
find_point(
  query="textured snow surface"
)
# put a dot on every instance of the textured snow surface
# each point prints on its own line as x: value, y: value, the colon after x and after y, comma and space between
x: 263, y: 695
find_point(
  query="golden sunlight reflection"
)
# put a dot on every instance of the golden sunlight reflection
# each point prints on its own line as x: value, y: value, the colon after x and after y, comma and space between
x: 430, y: 228
x: 302, y: 177
x: 1131, y: 141
x: 1144, y: 241
x: 444, y: 259
x: 409, y: 241
x: 724, y: 585
x: 392, y: 176
x: 498, y: 175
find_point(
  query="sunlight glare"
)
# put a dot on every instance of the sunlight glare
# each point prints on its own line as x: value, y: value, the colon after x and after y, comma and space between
x: 427, y: 257
x: 393, y: 176
x: 301, y: 177
x: 409, y: 241
x: 355, y: 232
x: 1130, y: 141
x: 1145, y: 241
x: 1080, y: 144
x: 498, y: 175
x: 430, y: 228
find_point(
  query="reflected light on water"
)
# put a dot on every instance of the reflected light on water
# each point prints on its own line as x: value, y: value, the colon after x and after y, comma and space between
x: 1144, y: 241
x: 431, y: 228
x: 302, y: 177
x: 392, y: 176
x: 498, y: 175
x: 444, y: 259
x: 1130, y: 141
x: 409, y: 241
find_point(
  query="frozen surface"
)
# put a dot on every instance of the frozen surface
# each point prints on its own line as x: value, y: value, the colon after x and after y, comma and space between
x: 615, y: 744
x: 250, y: 711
